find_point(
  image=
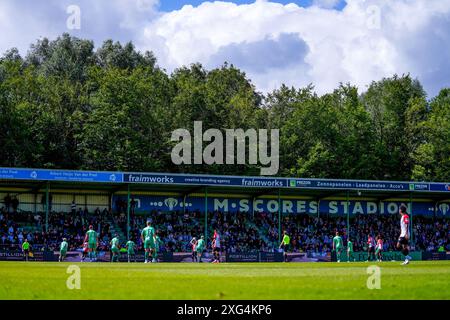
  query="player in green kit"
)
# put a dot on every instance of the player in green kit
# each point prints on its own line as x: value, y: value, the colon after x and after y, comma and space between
x: 158, y: 244
x: 130, y: 250
x: 92, y: 239
x: 115, y: 248
x: 63, y: 249
x: 350, y: 254
x: 148, y: 239
x: 200, y: 248
x: 337, y: 246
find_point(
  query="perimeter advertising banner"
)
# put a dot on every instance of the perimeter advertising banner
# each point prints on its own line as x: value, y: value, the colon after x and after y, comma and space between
x: 214, y: 180
x: 18, y: 256
x: 60, y: 175
x: 145, y: 204
x: 387, y: 256
x: 254, y: 256
x: 105, y: 256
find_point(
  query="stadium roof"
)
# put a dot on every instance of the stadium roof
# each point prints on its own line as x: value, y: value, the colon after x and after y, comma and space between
x: 35, y: 180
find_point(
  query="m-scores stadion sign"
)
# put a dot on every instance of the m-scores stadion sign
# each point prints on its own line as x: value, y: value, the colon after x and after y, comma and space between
x: 337, y: 207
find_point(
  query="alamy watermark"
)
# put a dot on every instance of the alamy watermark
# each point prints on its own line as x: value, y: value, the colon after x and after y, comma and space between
x: 73, y: 22
x: 74, y: 280
x: 374, y: 280
x: 258, y: 151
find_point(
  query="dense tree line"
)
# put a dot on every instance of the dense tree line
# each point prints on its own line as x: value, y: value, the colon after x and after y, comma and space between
x: 67, y: 105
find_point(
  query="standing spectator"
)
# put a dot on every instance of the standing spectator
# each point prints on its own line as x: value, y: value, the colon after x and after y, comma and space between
x: 37, y: 219
x: 73, y: 207
x: 44, y: 202
x: 15, y: 204
x: 7, y: 201
x: 132, y: 206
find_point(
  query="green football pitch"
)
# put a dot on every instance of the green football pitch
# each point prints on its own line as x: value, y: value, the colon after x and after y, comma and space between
x: 48, y: 280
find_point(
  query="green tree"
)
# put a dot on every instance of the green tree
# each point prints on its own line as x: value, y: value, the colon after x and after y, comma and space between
x: 432, y: 157
x: 125, y: 129
x: 123, y: 57
x: 388, y: 102
x: 66, y: 57
x: 15, y: 137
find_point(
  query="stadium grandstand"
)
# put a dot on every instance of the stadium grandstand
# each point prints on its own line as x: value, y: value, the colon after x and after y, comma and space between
x: 251, y: 213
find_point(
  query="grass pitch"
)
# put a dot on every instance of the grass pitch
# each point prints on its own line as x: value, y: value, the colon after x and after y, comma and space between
x: 47, y: 280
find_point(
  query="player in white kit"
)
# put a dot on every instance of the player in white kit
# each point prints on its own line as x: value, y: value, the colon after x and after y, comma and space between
x: 216, y: 247
x: 403, y: 240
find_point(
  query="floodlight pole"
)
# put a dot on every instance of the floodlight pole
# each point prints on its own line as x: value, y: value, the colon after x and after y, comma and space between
x: 47, y: 187
x: 318, y: 209
x: 35, y: 203
x: 411, y: 213
x: 206, y: 214
x: 434, y: 210
x: 348, y: 215
x: 253, y: 208
x: 128, y: 212
x: 279, y: 215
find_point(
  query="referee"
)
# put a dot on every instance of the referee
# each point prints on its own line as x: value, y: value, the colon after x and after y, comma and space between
x: 285, y: 244
x: 26, y: 249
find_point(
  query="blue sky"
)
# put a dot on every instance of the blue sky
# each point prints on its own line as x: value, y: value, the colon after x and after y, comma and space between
x: 319, y: 42
x: 170, y: 5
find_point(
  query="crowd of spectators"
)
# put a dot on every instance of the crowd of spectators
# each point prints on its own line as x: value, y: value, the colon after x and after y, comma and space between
x: 16, y: 226
x: 239, y: 231
x: 315, y: 233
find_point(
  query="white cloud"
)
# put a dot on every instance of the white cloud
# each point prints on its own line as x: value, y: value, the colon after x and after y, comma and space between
x: 24, y: 21
x: 271, y: 42
x: 365, y: 41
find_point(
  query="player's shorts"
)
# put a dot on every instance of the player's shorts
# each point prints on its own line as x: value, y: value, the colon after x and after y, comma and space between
x: 216, y: 249
x: 115, y: 250
x: 26, y: 251
x: 130, y: 252
x: 63, y: 252
x: 371, y: 249
x: 338, y: 248
x: 403, y: 241
x: 378, y: 250
x: 200, y: 250
x: 149, y: 244
x: 92, y: 245
x: 285, y: 247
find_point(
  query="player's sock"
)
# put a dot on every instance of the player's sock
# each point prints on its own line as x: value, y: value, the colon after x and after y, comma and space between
x: 146, y: 255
